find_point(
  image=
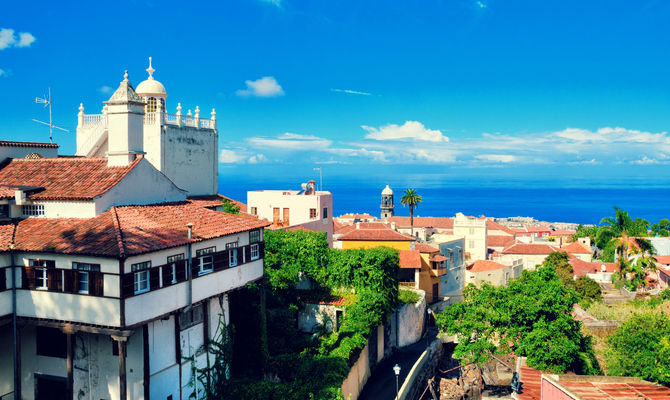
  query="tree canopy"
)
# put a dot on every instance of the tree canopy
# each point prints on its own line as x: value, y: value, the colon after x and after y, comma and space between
x: 411, y: 199
x: 531, y: 317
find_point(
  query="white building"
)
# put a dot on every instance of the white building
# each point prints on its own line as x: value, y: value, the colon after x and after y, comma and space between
x: 110, y: 271
x: 307, y: 208
x: 474, y: 230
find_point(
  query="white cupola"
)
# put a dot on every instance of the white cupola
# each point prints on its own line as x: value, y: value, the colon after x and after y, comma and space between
x: 125, y: 116
x: 152, y: 92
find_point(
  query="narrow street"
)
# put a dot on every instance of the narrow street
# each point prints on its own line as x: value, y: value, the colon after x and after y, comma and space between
x: 382, y: 384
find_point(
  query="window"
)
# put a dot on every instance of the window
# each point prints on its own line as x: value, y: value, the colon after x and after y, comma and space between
x: 275, y: 216
x: 255, y: 254
x: 191, y: 317
x: 312, y: 213
x: 83, y: 277
x: 41, y: 280
x: 32, y: 210
x: 51, y: 342
x: 471, y: 243
x: 255, y: 236
x: 141, y: 276
x: 471, y: 231
x: 151, y: 105
x: 206, y: 260
x: 325, y: 213
x: 172, y: 260
x: 4, y: 210
x: 254, y: 211
x: 232, y: 254
x: 285, y: 213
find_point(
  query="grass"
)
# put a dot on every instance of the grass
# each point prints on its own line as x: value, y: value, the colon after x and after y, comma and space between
x: 623, y: 312
x: 406, y: 296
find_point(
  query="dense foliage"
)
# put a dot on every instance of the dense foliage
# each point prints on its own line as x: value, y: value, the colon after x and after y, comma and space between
x: 586, y: 288
x: 641, y: 347
x: 531, y: 317
x: 308, y: 366
x: 406, y: 296
x: 229, y: 206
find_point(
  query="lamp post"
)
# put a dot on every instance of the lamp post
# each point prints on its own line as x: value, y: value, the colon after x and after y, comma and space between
x: 396, y: 369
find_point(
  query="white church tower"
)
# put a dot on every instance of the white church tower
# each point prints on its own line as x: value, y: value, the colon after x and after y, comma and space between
x: 133, y: 122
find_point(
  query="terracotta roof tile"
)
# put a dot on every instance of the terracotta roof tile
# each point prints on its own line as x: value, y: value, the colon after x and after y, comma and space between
x: 494, y: 226
x: 410, y: 259
x: 663, y: 259
x: 10, y: 143
x: 438, y: 258
x: 485, y: 265
x: 424, y: 222
x: 533, y: 248
x: 64, y: 178
x: 376, y: 231
x: 215, y: 200
x: 424, y: 248
x: 610, y: 388
x: 562, y: 232
x: 129, y: 230
x: 581, y: 267
x: 576, y: 248
x: 499, y: 240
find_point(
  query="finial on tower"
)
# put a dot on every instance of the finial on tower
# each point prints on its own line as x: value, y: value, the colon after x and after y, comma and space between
x: 125, y: 76
x: 150, y: 70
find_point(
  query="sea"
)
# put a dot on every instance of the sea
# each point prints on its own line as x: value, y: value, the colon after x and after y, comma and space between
x: 585, y: 201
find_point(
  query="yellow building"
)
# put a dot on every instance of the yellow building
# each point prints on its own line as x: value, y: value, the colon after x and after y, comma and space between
x: 366, y: 235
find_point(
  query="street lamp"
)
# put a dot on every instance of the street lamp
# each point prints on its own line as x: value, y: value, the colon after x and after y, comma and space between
x: 396, y: 369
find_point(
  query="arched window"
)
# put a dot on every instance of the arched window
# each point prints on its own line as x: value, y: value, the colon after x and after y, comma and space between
x: 151, y: 105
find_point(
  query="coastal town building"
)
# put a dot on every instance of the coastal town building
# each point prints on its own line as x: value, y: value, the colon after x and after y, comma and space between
x: 387, y: 206
x: 351, y: 218
x: 492, y: 272
x: 453, y: 281
x: 424, y: 227
x: 474, y: 230
x: 308, y: 208
x: 530, y: 254
x: 424, y: 268
x: 117, y: 264
x: 366, y: 235
x: 599, y: 271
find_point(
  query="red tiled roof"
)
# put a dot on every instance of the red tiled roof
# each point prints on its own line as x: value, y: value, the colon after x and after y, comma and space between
x: 424, y: 248
x: 562, y: 232
x: 581, y: 267
x: 215, y: 201
x: 10, y: 143
x: 424, y: 222
x: 538, y: 229
x: 576, y: 248
x: 499, y: 241
x: 530, y: 388
x: 663, y: 259
x: 375, y: 231
x: 494, y: 226
x: 6, y: 192
x: 64, y: 178
x: 6, y: 235
x: 485, y: 265
x: 357, y: 216
x: 128, y: 230
x: 438, y: 258
x: 410, y: 259
x: 533, y: 248
x: 609, y: 388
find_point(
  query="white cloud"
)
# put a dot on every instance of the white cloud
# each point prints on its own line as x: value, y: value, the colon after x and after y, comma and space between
x: 258, y: 158
x: 105, y: 89
x: 230, y: 157
x: 646, y: 161
x: 25, y: 39
x: 292, y: 141
x: 480, y: 4
x: 349, y: 91
x: 612, y: 135
x: 9, y: 39
x: 497, y: 158
x: 409, y: 131
x: 3, y: 72
x: 273, y: 2
x: 266, y: 86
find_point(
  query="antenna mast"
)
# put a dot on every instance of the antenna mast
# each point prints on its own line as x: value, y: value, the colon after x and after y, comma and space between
x: 46, y: 100
x: 320, y: 178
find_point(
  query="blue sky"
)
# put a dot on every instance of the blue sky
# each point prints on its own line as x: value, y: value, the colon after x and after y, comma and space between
x: 457, y: 87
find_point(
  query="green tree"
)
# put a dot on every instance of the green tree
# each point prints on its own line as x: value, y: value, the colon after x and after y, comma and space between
x: 586, y: 231
x: 662, y: 228
x: 531, y: 317
x: 641, y: 347
x: 229, y: 206
x: 411, y: 199
x: 587, y: 289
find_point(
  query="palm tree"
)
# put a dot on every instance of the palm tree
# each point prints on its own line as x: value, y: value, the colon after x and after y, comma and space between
x: 620, y: 232
x: 411, y: 199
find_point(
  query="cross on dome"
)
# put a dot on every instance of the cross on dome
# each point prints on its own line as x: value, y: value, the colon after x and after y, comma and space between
x: 150, y: 70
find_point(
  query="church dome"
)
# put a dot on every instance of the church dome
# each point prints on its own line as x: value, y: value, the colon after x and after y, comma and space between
x: 387, y: 191
x: 151, y: 87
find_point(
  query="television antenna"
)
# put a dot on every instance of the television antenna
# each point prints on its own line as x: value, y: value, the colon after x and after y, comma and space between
x: 320, y: 177
x: 46, y: 100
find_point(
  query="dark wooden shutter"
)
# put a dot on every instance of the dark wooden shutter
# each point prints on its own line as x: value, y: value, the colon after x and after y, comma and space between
x: 261, y: 250
x: 181, y: 271
x: 96, y: 283
x: 195, y: 264
x: 56, y: 279
x: 127, y: 285
x: 154, y: 278
x: 247, y: 253
x: 167, y: 274
x: 3, y: 278
x: 70, y: 282
x: 220, y: 261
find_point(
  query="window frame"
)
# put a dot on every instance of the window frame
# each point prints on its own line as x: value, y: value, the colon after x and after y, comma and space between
x: 232, y: 249
x: 312, y: 213
x: 187, y: 320
x: 205, y: 257
x: 172, y: 262
x: 253, y: 233
x: 32, y: 210
x: 254, y: 248
x: 141, y: 274
x: 83, y: 270
x: 324, y: 215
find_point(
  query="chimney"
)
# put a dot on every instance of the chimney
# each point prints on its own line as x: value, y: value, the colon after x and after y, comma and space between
x: 358, y: 225
x: 393, y: 226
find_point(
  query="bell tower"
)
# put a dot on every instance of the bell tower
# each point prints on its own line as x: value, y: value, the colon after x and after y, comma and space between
x: 387, y: 203
x: 125, y: 116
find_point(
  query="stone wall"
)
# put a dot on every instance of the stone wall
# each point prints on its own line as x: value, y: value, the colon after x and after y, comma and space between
x: 424, y: 369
